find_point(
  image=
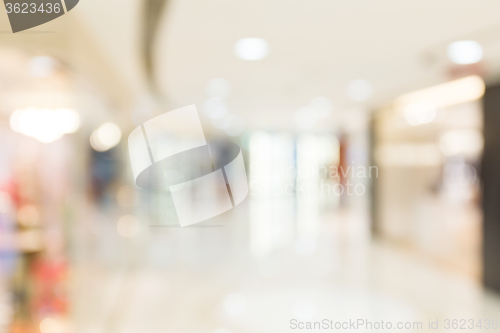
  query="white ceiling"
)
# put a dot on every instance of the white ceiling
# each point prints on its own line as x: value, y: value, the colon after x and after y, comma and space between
x: 115, y: 25
x: 317, y: 47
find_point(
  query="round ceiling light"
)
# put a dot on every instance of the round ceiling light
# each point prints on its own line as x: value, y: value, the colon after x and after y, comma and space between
x: 465, y: 52
x: 107, y: 136
x: 251, y: 49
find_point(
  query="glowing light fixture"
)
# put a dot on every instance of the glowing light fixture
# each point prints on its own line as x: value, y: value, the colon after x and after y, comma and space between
x: 107, y: 136
x: 420, y: 113
x: 45, y: 125
x: 447, y: 94
x: 251, y: 49
x: 465, y: 52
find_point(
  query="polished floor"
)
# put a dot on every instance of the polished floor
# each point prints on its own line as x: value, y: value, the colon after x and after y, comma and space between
x: 254, y: 276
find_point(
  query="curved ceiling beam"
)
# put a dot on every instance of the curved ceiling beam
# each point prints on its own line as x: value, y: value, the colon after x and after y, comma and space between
x: 153, y: 10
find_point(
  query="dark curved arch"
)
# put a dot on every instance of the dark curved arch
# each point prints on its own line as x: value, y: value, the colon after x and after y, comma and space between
x: 153, y: 12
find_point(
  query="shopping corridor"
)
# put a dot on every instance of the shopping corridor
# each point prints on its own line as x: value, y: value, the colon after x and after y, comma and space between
x: 237, y: 166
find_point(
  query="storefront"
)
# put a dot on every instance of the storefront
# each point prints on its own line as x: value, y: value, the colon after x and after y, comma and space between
x: 428, y: 145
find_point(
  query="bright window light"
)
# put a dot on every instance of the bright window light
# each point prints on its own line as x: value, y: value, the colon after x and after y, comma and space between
x: 251, y: 49
x: 465, y: 52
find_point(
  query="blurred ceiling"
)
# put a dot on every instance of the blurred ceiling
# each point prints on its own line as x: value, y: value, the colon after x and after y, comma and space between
x: 316, y: 48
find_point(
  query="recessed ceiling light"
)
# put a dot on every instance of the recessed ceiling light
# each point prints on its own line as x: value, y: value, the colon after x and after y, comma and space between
x: 465, y: 52
x: 251, y: 48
